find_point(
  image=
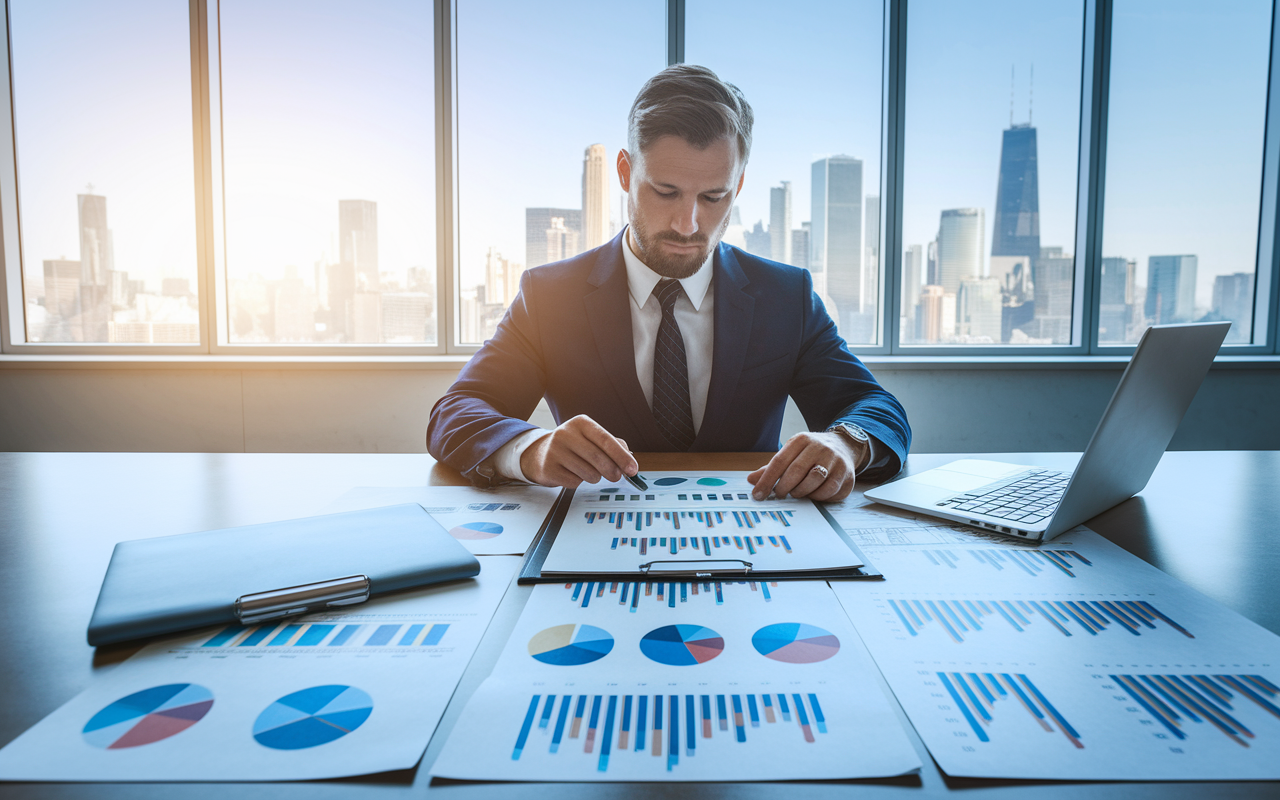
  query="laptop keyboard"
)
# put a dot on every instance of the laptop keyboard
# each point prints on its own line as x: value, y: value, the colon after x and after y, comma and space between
x: 1027, y: 497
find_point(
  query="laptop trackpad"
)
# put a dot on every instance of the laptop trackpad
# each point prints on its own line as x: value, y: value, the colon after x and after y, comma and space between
x: 951, y: 481
x: 966, y: 474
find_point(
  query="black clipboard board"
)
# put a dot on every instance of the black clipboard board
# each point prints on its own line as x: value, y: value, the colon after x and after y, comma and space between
x: 531, y: 567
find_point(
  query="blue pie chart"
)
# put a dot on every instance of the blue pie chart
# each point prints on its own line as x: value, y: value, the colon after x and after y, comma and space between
x: 475, y: 530
x: 682, y: 645
x: 571, y: 645
x: 312, y: 717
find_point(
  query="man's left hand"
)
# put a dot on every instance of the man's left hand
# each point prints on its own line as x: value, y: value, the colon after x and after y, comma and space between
x: 820, y: 466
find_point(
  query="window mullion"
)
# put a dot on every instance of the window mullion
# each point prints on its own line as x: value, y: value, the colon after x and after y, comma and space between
x: 1094, y: 91
x: 892, y: 137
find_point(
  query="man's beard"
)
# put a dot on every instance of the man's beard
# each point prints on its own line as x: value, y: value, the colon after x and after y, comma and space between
x: 668, y: 265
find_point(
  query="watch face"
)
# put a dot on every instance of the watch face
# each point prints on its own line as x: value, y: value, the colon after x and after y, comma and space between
x: 856, y: 433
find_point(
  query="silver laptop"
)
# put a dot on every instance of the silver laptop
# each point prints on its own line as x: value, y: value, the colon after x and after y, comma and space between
x: 1037, y: 504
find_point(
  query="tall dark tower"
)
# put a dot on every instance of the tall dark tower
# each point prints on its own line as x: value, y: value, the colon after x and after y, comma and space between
x: 1017, y: 224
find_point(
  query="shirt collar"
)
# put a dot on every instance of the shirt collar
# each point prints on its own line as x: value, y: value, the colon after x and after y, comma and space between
x: 641, y: 280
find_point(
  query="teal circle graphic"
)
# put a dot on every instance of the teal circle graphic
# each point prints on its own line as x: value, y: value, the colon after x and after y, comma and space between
x: 669, y: 481
x: 711, y: 481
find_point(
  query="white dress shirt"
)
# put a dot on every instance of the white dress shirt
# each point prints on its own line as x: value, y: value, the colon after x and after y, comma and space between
x: 695, y: 312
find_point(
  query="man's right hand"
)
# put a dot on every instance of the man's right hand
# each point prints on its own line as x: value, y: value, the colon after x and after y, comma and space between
x: 579, y: 451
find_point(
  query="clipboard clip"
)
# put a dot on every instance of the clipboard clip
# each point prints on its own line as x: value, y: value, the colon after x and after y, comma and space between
x: 254, y: 608
x: 647, y: 568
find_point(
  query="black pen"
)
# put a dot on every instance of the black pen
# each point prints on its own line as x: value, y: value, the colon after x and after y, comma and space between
x: 637, y: 481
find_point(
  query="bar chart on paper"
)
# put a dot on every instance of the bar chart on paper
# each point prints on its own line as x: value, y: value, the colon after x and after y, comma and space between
x: 1082, y: 721
x: 960, y: 620
x: 337, y: 635
x: 660, y: 730
x: 671, y: 594
x: 693, y: 518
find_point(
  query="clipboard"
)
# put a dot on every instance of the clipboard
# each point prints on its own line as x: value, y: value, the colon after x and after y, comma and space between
x: 663, y: 569
x: 258, y: 573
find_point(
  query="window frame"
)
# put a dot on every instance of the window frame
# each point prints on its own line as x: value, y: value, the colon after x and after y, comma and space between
x: 210, y: 234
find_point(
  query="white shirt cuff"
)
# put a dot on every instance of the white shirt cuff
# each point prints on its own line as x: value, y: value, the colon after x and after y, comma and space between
x: 507, y: 460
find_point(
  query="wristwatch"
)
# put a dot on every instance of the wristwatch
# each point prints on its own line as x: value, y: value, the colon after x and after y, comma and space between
x: 861, y: 442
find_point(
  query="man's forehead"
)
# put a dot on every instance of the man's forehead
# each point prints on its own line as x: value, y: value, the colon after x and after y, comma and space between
x: 673, y: 161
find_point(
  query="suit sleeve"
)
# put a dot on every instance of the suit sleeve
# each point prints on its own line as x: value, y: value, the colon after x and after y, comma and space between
x: 832, y: 386
x: 494, y: 395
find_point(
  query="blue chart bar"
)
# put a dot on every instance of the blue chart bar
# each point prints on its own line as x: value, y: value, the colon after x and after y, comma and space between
x: 410, y: 635
x: 692, y: 522
x: 1032, y: 562
x: 344, y: 635
x: 665, y: 593
x: 434, y: 635
x: 314, y: 635
x: 524, y: 729
x: 978, y: 695
x: 595, y: 718
x: 961, y: 618
x: 382, y: 635
x: 224, y: 636
x: 1210, y: 700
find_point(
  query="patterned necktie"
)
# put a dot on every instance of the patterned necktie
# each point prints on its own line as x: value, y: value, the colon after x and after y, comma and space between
x: 671, y: 408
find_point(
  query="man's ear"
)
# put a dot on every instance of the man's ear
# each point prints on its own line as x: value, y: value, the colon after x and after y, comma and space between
x: 741, y: 179
x: 624, y: 170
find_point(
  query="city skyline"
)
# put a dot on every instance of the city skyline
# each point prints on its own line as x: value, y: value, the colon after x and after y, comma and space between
x: 279, y: 86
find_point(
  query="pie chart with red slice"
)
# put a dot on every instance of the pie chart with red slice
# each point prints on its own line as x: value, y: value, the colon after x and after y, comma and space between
x: 682, y: 645
x: 795, y: 643
x: 148, y: 716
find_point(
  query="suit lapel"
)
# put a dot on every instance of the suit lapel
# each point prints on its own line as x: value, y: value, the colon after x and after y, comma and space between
x: 734, y: 311
x: 609, y: 314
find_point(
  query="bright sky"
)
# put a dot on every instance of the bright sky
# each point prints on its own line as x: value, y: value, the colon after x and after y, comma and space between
x: 332, y: 104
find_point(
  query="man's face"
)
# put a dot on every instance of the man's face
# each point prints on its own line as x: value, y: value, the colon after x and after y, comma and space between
x: 678, y: 201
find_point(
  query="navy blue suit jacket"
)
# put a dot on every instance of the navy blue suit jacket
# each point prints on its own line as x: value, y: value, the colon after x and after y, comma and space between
x: 567, y: 336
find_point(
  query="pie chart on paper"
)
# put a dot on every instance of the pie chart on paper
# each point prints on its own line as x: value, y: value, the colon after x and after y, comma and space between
x: 312, y: 717
x: 682, y: 645
x: 148, y: 716
x: 571, y: 645
x: 795, y: 643
x: 475, y: 530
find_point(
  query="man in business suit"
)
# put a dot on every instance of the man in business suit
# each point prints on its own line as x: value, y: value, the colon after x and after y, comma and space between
x: 665, y: 339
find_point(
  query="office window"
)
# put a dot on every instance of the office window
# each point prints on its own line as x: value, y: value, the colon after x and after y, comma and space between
x: 543, y: 96
x: 106, y: 178
x: 812, y: 73
x: 989, y: 195
x: 328, y: 148
x: 1184, y: 165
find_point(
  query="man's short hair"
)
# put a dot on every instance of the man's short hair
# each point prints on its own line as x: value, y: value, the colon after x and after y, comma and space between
x: 691, y: 102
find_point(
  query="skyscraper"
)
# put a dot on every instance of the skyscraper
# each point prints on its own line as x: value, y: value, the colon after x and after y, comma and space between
x: 595, y: 197
x: 358, y: 241
x: 1053, y: 276
x: 1233, y: 300
x: 1115, y: 310
x: 780, y: 223
x: 836, y: 242
x: 1171, y: 288
x: 96, y: 257
x: 758, y: 241
x: 561, y: 241
x: 871, y: 235
x: 536, y: 223
x: 960, y: 247
x: 501, y: 278
x: 937, y: 314
x: 1017, y: 222
x: 800, y: 246
x: 912, y: 269
x: 978, y: 310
